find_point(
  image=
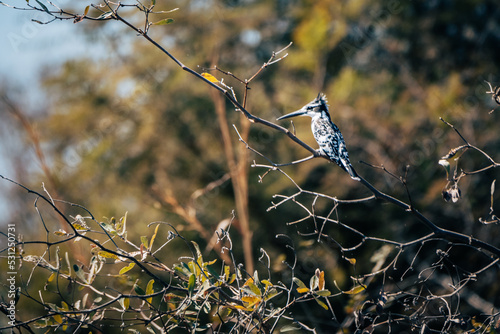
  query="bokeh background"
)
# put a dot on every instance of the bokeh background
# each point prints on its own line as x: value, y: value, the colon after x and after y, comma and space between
x: 122, y: 129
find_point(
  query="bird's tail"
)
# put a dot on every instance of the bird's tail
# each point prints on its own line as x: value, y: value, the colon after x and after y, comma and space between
x: 349, y: 169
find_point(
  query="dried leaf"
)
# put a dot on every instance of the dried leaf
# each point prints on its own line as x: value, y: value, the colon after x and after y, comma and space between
x: 321, y: 283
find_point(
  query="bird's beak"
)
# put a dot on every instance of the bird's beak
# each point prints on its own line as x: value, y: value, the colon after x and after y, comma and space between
x: 299, y: 112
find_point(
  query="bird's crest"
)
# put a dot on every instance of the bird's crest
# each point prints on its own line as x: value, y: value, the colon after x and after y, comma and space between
x: 321, y: 103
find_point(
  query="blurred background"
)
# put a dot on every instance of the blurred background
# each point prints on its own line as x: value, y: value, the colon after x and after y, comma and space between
x: 103, y: 119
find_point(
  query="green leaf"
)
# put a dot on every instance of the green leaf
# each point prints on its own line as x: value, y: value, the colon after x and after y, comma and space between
x: 144, y: 241
x: 41, y: 323
x: 323, y: 305
x: 43, y: 7
x: 299, y: 283
x: 323, y: 293
x: 314, y: 282
x: 163, y: 22
x: 139, y: 290
x: 181, y: 270
x: 212, y: 271
x: 191, y: 282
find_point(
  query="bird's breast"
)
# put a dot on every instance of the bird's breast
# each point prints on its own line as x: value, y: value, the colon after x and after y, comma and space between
x: 320, y: 127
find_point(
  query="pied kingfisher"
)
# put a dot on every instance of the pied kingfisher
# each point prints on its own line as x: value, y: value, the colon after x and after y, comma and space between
x: 327, y: 134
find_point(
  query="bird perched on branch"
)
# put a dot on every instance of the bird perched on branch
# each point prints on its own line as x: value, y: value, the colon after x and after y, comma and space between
x: 327, y: 134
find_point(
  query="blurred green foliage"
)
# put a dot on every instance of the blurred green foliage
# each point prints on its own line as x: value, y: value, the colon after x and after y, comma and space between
x: 130, y: 126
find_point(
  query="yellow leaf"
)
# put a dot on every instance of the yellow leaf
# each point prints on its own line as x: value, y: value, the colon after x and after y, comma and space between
x: 302, y: 290
x: 209, y: 77
x: 351, y: 260
x: 251, y: 301
x: 51, y: 277
x: 355, y: 290
x: 79, y: 227
x: 266, y: 283
x: 57, y: 318
x: 150, y: 290
x: 154, y: 236
x: 107, y: 255
x: 86, y: 10
x: 232, y: 278
x: 60, y: 233
x: 211, y: 262
x: 65, y: 306
x: 127, y: 268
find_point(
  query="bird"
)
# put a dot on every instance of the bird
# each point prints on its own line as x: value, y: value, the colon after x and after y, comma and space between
x: 326, y: 133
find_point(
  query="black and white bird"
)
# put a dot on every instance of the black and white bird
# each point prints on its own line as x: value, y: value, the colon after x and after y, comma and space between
x: 327, y: 134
